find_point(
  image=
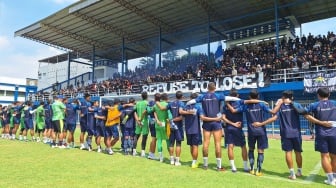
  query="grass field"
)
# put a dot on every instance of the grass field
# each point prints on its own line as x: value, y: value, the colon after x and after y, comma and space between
x: 28, y: 164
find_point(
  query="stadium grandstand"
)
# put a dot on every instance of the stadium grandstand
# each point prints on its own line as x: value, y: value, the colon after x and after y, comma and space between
x: 263, y: 51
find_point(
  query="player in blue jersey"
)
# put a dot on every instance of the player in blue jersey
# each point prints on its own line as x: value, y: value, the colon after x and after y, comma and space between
x: 100, y: 116
x: 211, y: 118
x: 191, y: 114
x: 28, y: 121
x: 254, y: 113
x: 1, y: 117
x: 48, y: 122
x: 83, y: 120
x: 6, y: 121
x: 129, y: 129
x: 176, y: 134
x: 290, y: 130
x: 325, y: 133
x: 234, y: 132
x: 70, y: 120
x: 17, y: 108
x: 151, y: 119
x: 91, y: 126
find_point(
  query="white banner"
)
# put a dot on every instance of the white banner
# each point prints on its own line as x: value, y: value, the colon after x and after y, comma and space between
x: 222, y: 83
x: 314, y: 81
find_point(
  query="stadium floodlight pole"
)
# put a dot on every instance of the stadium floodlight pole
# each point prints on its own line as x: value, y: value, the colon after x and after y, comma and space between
x: 276, y: 26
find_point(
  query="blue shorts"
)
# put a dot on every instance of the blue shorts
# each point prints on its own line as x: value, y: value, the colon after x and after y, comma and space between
x: 262, y: 141
x: 91, y: 129
x: 194, y: 139
x: 325, y: 144
x: 112, y: 131
x: 289, y: 144
x: 212, y: 126
x: 235, y: 137
x: 70, y: 127
x: 28, y: 124
x: 122, y: 130
x: 100, y: 129
x: 5, y: 122
x: 152, y: 129
x: 129, y: 132
x: 83, y: 124
x: 48, y: 124
x: 16, y: 120
x: 175, y: 135
x: 181, y: 130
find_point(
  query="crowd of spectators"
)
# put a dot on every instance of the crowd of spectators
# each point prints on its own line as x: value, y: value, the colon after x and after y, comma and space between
x: 296, y: 54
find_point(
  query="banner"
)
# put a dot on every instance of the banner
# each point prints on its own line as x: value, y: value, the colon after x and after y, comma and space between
x: 222, y: 84
x: 314, y: 81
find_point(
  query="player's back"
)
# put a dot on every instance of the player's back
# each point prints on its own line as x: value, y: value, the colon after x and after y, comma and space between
x: 289, y: 121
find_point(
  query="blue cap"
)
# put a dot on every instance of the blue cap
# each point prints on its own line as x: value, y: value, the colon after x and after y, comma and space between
x: 60, y: 97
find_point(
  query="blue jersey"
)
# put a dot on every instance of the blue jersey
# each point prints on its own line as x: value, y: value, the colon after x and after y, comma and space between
x: 254, y: 113
x: 84, y: 107
x: 90, y: 115
x: 71, y: 113
x: 47, y: 112
x: 324, y: 110
x: 17, y: 111
x: 174, y: 108
x: 289, y: 120
x: 234, y: 117
x: 129, y: 111
x: 192, y: 121
x: 100, y: 112
x: 27, y: 114
x: 7, y: 114
x: 210, y: 104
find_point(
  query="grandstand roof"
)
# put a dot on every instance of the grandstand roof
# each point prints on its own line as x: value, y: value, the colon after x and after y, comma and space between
x: 184, y: 23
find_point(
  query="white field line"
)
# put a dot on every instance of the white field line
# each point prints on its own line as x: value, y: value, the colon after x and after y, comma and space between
x: 313, y: 173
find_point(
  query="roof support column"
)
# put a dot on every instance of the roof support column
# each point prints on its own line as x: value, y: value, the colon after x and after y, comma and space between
x: 276, y: 27
x: 93, y: 62
x: 160, y: 45
x: 300, y: 30
x: 209, y: 30
x: 123, y: 57
x: 69, y: 61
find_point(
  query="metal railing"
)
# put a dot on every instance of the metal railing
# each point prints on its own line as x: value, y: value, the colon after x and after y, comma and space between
x: 296, y: 74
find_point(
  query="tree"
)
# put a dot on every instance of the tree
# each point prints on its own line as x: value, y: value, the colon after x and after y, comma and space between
x: 170, y: 56
x: 147, y: 62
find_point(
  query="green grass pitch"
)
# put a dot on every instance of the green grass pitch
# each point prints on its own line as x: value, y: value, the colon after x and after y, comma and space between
x: 29, y: 164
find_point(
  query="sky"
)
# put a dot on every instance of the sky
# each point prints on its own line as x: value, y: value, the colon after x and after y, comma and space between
x: 19, y: 56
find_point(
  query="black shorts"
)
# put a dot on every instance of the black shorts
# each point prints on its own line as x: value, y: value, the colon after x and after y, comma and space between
x: 58, y: 126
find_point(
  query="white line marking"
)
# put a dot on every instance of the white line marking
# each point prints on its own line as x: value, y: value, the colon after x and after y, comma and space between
x: 280, y: 179
x: 313, y: 173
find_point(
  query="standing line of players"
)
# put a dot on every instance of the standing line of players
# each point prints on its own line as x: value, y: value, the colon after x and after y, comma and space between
x: 164, y: 119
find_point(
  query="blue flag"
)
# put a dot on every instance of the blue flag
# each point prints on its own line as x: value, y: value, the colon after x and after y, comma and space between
x: 219, y: 54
